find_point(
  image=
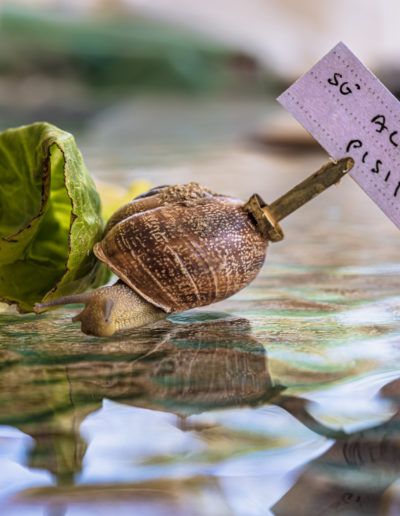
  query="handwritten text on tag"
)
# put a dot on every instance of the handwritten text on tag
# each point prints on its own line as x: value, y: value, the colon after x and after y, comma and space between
x: 351, y: 113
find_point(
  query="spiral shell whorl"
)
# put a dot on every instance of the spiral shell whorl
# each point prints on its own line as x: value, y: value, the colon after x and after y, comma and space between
x: 190, y: 248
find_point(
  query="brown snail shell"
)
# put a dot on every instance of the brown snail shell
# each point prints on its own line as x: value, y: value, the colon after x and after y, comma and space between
x: 181, y: 247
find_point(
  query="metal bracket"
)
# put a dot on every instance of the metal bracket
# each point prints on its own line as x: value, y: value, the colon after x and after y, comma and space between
x: 265, y: 221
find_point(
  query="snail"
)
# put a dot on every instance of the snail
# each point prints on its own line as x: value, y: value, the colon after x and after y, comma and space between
x: 180, y: 247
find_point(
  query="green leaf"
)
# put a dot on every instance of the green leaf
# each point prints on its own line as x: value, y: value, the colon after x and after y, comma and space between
x: 49, y: 217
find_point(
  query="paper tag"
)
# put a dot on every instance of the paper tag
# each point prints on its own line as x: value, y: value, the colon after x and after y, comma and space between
x: 351, y: 113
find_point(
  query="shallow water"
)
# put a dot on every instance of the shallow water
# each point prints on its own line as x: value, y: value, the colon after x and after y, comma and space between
x: 281, y: 400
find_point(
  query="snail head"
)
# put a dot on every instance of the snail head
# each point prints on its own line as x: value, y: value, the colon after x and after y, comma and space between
x: 109, y: 309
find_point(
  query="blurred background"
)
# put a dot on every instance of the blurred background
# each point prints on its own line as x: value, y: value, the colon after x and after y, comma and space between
x: 157, y: 81
x: 148, y: 85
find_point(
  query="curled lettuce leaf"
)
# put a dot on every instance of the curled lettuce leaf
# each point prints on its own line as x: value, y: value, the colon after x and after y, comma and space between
x: 49, y: 217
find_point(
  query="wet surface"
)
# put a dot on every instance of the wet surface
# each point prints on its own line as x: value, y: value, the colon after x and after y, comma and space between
x: 281, y: 400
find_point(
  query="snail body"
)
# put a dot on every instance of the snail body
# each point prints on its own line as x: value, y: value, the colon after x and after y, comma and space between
x: 173, y: 249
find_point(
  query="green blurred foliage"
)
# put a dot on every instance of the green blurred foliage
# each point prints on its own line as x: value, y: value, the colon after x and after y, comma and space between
x: 116, y: 52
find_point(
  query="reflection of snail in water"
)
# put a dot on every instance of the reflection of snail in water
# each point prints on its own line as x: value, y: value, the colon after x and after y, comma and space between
x: 183, y: 365
x: 182, y: 247
x: 183, y: 368
x: 192, y: 368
